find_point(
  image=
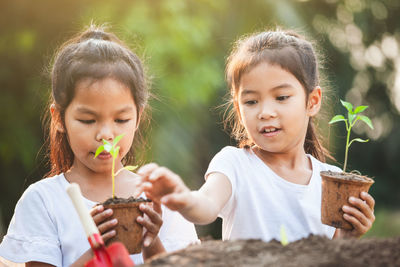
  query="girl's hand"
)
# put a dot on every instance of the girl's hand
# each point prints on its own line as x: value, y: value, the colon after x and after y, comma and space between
x: 162, y: 185
x: 151, y: 222
x: 360, y: 215
x: 102, y: 220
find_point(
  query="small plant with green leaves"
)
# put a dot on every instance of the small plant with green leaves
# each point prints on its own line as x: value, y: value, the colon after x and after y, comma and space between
x: 113, y: 149
x: 352, y: 117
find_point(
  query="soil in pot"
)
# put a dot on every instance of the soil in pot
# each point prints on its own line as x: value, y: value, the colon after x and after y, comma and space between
x: 337, y: 187
x: 129, y: 231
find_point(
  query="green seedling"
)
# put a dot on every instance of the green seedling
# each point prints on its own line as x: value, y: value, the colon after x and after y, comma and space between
x: 352, y: 117
x: 284, y: 239
x: 113, y: 149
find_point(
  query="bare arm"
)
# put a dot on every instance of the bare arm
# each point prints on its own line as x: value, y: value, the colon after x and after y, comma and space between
x: 80, y: 262
x: 37, y: 264
x: 199, y: 207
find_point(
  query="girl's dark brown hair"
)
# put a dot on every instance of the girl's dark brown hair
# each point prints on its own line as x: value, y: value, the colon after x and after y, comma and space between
x: 95, y: 54
x: 291, y: 52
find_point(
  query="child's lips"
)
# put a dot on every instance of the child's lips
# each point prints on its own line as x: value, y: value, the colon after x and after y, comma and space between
x: 104, y: 155
x: 270, y: 131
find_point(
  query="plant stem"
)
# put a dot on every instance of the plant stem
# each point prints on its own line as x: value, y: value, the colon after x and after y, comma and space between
x: 347, y: 148
x: 113, y: 178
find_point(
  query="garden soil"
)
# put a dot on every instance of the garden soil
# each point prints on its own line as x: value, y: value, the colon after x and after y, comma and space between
x: 311, y: 251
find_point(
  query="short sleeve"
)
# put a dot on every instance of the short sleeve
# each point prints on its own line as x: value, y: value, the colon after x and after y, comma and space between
x: 176, y: 232
x: 224, y: 162
x: 32, y: 233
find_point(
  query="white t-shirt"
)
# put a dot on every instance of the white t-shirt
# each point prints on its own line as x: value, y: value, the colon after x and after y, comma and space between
x: 261, y: 201
x: 46, y: 228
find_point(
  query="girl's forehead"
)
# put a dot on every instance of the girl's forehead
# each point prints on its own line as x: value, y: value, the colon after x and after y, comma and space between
x: 265, y: 75
x: 105, y: 91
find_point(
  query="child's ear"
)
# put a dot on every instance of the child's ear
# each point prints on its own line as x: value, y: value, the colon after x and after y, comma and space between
x: 314, y: 101
x: 56, y: 116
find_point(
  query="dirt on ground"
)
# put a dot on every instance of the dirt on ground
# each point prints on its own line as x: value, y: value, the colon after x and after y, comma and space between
x: 311, y: 251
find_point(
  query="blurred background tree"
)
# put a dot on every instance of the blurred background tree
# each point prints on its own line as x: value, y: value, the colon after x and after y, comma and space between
x: 185, y: 44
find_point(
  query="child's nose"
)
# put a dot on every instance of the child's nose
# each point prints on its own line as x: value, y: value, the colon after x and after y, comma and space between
x: 267, y: 111
x: 105, y: 132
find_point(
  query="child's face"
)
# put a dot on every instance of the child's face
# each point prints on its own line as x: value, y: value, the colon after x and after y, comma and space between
x: 272, y: 105
x: 100, y: 109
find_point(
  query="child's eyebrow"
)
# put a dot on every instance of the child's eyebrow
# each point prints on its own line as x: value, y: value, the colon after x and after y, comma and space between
x: 85, y: 110
x: 91, y: 112
x: 275, y: 88
x: 125, y: 109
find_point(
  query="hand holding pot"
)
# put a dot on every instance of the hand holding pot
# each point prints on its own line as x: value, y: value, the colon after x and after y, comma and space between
x: 360, y: 214
x: 103, y: 221
x: 151, y: 222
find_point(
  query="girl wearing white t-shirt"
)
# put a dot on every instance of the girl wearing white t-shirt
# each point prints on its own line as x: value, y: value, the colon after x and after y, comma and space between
x: 272, y: 179
x: 99, y: 91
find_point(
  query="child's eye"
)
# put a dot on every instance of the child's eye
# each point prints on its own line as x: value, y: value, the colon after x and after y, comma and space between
x: 250, y: 102
x: 122, y: 121
x: 282, y: 97
x: 87, y: 121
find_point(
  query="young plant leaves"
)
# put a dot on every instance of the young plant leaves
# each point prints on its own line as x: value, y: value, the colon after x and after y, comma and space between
x: 360, y: 109
x: 337, y: 118
x: 348, y: 106
x: 366, y: 120
x: 352, y: 118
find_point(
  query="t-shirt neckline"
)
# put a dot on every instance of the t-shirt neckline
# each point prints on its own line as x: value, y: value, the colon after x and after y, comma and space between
x: 88, y: 201
x: 281, y: 180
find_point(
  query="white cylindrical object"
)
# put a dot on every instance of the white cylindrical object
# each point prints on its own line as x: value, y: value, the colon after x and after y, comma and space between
x: 75, y: 194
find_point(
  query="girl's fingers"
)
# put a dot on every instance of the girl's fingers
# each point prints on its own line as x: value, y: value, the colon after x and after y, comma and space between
x: 102, y: 216
x: 157, y: 208
x: 357, y: 214
x: 369, y: 199
x: 108, y: 235
x: 154, y: 217
x: 160, y: 172
x: 145, y: 170
x: 107, y: 226
x: 359, y: 228
x: 146, y: 223
x: 96, y: 209
x: 148, y: 239
x: 175, y: 201
x: 363, y: 206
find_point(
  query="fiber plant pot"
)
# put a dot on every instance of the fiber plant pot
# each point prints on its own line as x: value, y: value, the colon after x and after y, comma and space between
x: 337, y: 187
x: 129, y: 231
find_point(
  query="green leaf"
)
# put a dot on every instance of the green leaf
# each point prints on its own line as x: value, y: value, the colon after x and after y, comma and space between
x: 114, y: 152
x: 116, y: 140
x: 360, y: 109
x: 358, y: 140
x: 348, y: 106
x: 351, y: 117
x: 337, y: 118
x: 130, y: 168
x: 99, y: 150
x: 106, y: 142
x: 366, y: 120
x: 107, y: 147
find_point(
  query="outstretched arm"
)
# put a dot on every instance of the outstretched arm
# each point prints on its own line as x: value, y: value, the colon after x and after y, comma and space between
x: 199, y: 207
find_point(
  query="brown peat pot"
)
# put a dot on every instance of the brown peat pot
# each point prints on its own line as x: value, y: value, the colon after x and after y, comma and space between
x: 337, y: 187
x: 129, y: 231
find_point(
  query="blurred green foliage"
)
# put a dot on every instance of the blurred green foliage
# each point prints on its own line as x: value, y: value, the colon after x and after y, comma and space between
x: 184, y: 45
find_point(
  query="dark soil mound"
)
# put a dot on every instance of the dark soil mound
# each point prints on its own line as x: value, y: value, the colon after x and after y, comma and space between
x: 311, y: 251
